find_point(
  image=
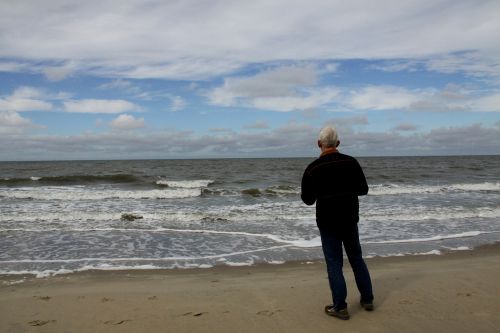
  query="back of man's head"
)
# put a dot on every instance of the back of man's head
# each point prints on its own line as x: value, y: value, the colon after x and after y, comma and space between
x: 328, y: 137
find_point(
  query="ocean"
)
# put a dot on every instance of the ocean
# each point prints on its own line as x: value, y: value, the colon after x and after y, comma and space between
x: 67, y: 216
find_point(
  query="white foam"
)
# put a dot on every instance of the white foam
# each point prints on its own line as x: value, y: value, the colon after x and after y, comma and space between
x: 76, y: 260
x: 431, y: 252
x: 303, y: 243
x: 420, y: 213
x: 430, y: 239
x: 11, y: 283
x: 267, y: 212
x: 185, y: 183
x: 35, y: 178
x: 239, y: 264
x: 79, y: 193
x: 460, y: 248
x: 395, y: 189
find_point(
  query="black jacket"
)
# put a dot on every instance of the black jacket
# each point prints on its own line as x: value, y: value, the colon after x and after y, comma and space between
x: 334, y: 182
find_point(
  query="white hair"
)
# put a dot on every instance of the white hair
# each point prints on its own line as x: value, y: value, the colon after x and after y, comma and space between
x: 328, y: 136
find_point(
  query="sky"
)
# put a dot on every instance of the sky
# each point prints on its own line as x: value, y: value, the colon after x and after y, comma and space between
x: 135, y: 79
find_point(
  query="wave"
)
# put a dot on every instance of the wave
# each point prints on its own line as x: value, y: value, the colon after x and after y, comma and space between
x: 262, y: 212
x: 79, y: 193
x: 279, y: 190
x: 71, y: 179
x: 396, y: 189
x: 433, y: 238
x: 296, y: 242
x: 185, y: 183
x: 376, y: 189
x: 423, y: 213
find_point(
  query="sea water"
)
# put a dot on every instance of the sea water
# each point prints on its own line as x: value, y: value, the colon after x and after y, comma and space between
x: 66, y: 216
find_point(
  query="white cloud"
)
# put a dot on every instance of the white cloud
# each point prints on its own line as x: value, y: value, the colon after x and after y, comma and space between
x: 177, y: 103
x: 127, y: 122
x: 25, y: 99
x: 13, y: 66
x: 451, y: 98
x: 120, y: 84
x: 286, y: 88
x: 489, y: 103
x: 292, y: 139
x: 260, y: 124
x: 125, y: 86
x: 58, y: 73
x: 13, y: 123
x: 348, y: 122
x: 14, y: 119
x: 276, y: 82
x: 312, y: 98
x: 384, y: 98
x: 99, y: 106
x: 405, y: 127
x: 471, y: 63
x: 192, y: 39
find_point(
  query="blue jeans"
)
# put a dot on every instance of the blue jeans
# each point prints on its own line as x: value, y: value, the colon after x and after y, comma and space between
x: 332, y: 241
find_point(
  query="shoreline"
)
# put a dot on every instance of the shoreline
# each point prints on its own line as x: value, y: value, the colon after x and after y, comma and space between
x: 21, y: 277
x: 483, y: 249
x: 453, y: 292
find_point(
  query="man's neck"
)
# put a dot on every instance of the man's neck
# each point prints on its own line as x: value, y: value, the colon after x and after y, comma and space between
x: 328, y: 150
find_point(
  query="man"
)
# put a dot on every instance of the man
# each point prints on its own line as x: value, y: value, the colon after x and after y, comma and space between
x: 334, y: 181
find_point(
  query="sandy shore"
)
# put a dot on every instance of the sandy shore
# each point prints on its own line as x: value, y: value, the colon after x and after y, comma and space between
x: 455, y: 292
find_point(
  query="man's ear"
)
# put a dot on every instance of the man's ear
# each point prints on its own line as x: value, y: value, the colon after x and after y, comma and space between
x: 319, y: 144
x: 338, y: 143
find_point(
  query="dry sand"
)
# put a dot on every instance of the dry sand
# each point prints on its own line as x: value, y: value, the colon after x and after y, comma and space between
x: 455, y: 292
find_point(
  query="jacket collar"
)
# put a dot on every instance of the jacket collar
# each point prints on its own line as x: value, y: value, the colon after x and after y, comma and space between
x: 329, y: 151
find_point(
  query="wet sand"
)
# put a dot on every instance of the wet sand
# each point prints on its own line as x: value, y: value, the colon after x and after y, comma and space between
x: 454, y: 292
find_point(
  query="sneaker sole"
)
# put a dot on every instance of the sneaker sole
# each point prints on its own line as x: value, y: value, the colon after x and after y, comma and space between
x: 367, y: 307
x: 336, y: 314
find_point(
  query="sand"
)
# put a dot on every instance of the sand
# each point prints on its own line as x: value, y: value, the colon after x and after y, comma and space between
x: 455, y: 292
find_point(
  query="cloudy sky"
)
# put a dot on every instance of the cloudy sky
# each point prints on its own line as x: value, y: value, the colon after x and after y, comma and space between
x: 221, y: 78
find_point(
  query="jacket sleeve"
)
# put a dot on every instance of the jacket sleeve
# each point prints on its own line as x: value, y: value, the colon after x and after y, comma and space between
x: 307, y: 194
x: 362, y: 185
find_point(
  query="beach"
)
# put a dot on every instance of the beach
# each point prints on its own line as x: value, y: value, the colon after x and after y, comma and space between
x: 452, y: 292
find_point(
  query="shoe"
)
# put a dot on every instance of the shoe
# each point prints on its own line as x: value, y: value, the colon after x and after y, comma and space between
x: 341, y: 314
x: 368, y: 306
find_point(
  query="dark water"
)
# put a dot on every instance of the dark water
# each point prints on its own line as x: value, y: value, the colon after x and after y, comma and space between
x: 67, y: 216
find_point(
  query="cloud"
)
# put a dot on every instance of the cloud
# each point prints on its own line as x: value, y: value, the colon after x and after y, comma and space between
x: 220, y: 130
x: 451, y: 98
x: 489, y: 103
x: 396, y: 66
x: 177, y: 103
x: 199, y: 40
x: 99, y: 106
x: 260, y: 124
x: 347, y: 122
x: 460, y: 140
x: 119, y: 84
x: 405, y: 127
x: 12, y: 123
x: 276, y: 82
x: 25, y: 99
x: 58, y: 73
x: 127, y: 122
x: 127, y: 87
x: 287, y: 88
x: 472, y: 63
x: 292, y: 139
x: 385, y: 98
x: 14, y: 66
